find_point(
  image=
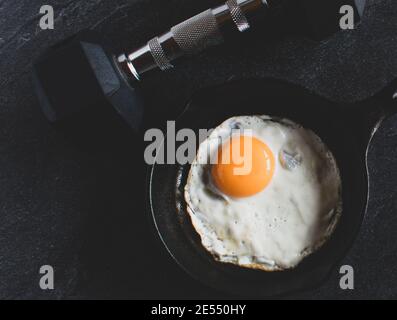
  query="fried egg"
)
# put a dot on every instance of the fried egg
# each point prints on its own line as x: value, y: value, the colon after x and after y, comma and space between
x: 270, y: 206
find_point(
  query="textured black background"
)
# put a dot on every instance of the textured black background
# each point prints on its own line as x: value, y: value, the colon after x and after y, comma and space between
x: 81, y: 211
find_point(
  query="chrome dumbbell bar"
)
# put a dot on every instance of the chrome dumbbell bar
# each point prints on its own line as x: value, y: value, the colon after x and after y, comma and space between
x: 204, y: 30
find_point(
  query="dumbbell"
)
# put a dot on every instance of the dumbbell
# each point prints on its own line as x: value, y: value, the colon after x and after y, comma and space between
x: 79, y: 77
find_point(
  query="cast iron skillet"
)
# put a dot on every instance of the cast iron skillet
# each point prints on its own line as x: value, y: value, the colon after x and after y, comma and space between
x: 346, y: 129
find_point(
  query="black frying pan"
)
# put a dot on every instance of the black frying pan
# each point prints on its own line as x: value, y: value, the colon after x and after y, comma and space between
x: 346, y: 129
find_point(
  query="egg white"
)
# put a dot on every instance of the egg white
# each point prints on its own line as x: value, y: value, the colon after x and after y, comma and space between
x: 278, y: 227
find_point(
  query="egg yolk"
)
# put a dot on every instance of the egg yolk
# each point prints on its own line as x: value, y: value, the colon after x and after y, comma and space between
x: 245, y: 166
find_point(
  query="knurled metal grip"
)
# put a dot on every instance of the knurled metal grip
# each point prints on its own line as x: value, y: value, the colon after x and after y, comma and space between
x: 197, y: 33
x: 159, y: 55
x: 192, y: 36
x: 238, y: 15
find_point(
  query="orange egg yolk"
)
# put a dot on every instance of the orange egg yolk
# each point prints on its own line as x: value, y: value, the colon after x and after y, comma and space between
x: 245, y: 166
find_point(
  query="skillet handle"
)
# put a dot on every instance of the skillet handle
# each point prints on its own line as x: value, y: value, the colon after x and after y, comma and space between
x: 372, y: 112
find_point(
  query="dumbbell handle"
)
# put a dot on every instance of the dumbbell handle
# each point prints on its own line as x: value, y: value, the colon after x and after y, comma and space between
x: 204, y: 30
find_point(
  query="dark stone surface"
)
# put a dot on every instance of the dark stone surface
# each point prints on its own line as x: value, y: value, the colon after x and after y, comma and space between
x: 82, y: 210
